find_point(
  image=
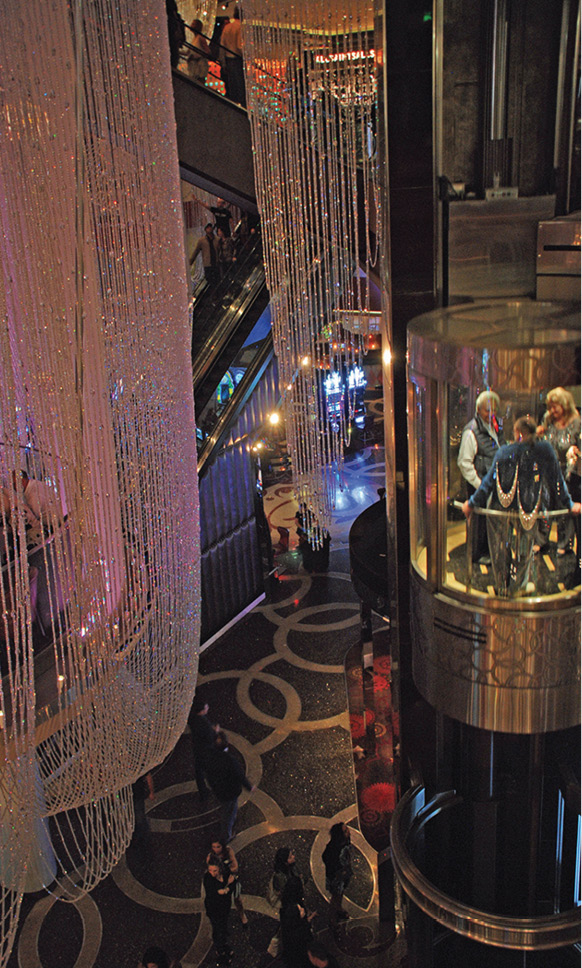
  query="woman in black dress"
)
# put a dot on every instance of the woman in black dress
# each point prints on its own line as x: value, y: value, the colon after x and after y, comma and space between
x: 217, y: 901
x: 338, y: 868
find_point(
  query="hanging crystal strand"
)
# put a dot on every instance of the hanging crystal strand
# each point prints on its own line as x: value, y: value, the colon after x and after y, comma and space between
x: 307, y: 179
x: 126, y: 559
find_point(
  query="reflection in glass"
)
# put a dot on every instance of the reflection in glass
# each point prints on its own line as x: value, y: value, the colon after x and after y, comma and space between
x: 422, y: 496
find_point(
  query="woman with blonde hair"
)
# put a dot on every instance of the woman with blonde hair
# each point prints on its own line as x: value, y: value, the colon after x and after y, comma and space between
x: 561, y: 428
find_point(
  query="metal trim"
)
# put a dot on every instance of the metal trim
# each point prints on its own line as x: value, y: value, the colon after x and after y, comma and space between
x: 524, y: 934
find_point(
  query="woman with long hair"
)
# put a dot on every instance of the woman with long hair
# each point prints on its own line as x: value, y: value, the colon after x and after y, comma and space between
x: 223, y: 855
x: 561, y: 428
x: 217, y: 903
x: 285, y: 875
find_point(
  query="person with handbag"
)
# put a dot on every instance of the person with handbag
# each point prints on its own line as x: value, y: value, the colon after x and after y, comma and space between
x: 283, y: 874
x: 296, y: 934
x: 223, y: 855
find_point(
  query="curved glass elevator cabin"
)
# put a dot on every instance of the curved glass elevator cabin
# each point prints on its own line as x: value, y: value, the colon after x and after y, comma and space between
x: 490, y: 854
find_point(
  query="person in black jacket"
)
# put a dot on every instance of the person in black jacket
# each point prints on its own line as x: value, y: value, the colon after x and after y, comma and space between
x: 295, y: 934
x: 226, y: 779
x: 217, y: 903
x: 338, y: 868
x: 524, y: 480
x: 203, y: 733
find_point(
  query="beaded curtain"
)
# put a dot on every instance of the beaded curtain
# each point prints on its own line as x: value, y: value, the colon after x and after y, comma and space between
x: 95, y: 403
x: 311, y: 95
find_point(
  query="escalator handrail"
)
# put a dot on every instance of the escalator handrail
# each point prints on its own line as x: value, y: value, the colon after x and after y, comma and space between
x: 246, y: 257
x: 531, y: 933
x: 227, y: 323
x: 209, y: 41
x: 235, y: 405
x: 497, y: 513
x: 231, y: 53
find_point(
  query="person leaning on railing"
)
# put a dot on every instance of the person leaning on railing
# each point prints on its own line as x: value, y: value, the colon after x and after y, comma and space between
x: 198, y: 54
x: 524, y: 480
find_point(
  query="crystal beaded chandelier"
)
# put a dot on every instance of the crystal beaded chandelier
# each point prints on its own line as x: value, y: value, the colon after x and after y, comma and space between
x: 99, y: 543
x: 311, y: 94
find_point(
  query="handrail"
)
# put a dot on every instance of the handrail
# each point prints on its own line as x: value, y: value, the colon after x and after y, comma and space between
x: 255, y: 64
x: 218, y: 340
x: 493, y: 512
x: 236, y: 403
x: 202, y: 53
x: 251, y: 282
x: 524, y: 934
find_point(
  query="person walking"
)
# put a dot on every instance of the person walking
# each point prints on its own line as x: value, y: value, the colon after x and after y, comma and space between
x: 202, y: 733
x: 217, y: 904
x: 226, y: 779
x: 296, y: 933
x: 338, y: 868
x: 142, y: 790
x: 286, y: 874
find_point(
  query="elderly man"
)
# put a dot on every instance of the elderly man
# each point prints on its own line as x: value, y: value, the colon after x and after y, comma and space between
x: 480, y: 441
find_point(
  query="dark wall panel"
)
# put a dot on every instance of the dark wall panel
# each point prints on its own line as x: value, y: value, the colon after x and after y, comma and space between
x: 232, y: 575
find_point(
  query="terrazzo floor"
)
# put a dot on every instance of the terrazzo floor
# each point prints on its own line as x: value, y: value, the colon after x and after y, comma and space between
x: 276, y: 683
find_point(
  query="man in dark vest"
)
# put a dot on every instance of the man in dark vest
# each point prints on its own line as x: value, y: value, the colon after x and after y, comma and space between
x: 480, y: 441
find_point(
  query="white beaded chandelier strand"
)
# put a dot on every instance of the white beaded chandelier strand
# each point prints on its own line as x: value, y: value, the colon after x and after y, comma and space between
x: 96, y: 404
x: 311, y: 94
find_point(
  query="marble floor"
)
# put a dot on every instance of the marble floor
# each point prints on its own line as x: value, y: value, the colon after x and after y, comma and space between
x: 276, y: 683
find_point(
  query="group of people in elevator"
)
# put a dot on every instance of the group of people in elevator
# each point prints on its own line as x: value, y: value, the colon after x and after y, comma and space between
x: 519, y: 484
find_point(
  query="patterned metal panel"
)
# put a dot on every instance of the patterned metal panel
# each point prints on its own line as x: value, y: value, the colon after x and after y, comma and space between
x: 512, y: 346
x: 232, y: 573
x: 514, y: 672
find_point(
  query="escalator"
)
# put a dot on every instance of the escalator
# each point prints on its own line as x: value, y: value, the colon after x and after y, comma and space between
x: 214, y: 143
x: 233, y: 367
x: 233, y: 531
x: 223, y: 316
